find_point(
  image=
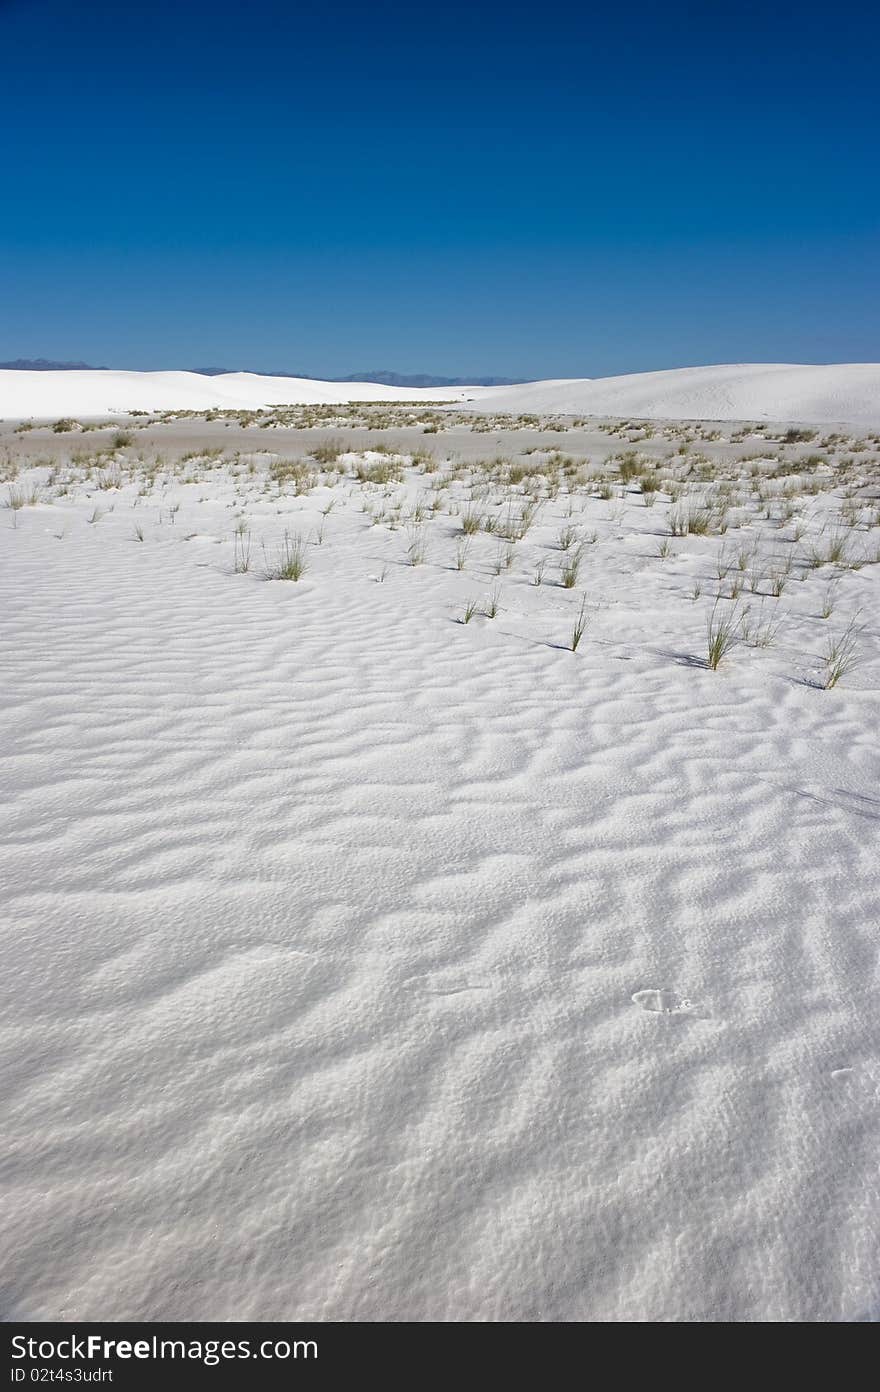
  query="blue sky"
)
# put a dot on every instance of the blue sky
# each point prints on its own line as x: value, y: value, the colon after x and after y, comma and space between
x: 541, y: 190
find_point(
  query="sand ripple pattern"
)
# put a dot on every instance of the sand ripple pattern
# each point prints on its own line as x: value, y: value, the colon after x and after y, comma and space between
x: 358, y: 964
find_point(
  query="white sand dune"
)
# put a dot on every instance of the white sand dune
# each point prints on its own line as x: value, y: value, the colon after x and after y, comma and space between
x: 845, y: 393
x: 840, y: 392
x: 43, y: 395
x: 362, y: 964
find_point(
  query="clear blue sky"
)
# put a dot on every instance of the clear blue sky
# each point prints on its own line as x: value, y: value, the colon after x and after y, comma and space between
x: 535, y: 190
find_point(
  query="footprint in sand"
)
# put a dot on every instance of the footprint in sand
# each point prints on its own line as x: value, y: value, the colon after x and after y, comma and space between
x: 663, y: 1002
x: 861, y: 1085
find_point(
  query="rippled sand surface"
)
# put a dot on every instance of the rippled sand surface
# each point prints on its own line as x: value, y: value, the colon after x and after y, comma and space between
x: 360, y: 963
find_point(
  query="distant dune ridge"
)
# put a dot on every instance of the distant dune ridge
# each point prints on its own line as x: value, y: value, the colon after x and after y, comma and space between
x: 740, y: 391
x: 834, y: 393
x: 378, y: 374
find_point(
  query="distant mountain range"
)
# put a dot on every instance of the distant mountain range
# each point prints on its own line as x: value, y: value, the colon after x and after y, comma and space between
x: 381, y: 375
x: 44, y: 365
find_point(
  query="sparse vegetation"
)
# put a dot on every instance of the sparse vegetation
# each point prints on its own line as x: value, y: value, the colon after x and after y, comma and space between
x: 721, y: 635
x: 579, y: 626
x: 570, y: 569
x: 289, y: 561
x: 471, y: 608
x: 796, y: 512
x: 841, y: 655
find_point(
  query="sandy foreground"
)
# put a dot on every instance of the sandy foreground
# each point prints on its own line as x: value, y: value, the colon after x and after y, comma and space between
x: 360, y: 962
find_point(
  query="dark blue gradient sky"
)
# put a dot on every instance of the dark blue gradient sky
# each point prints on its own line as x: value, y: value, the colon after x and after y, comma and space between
x: 542, y: 190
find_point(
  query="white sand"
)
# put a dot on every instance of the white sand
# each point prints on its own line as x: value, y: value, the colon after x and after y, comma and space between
x: 362, y: 964
x: 842, y: 392
x: 44, y: 395
x: 742, y: 391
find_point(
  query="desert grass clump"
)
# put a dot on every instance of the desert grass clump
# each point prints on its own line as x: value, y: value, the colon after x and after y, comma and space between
x: 471, y: 521
x: 579, y: 626
x: 381, y: 471
x: 292, y: 473
x: 471, y: 608
x: 108, y: 479
x: 744, y: 558
x: 699, y: 522
x: 628, y: 465
x: 417, y: 549
x: 829, y: 599
x: 756, y: 579
x: 289, y: 562
x: 241, y: 552
x: 841, y: 655
x: 492, y: 604
x: 736, y: 585
x: 17, y: 498
x: 328, y: 451
x: 835, y: 553
x: 721, y: 635
x: 759, y: 632
x: 504, y: 558
x: 570, y: 569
